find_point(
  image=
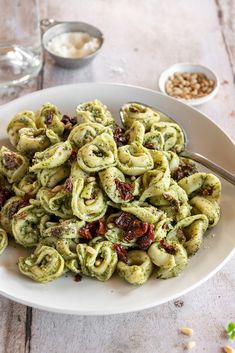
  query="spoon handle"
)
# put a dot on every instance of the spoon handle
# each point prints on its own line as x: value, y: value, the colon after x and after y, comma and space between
x: 210, y: 165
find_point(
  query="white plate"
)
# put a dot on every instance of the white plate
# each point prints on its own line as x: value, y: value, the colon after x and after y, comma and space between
x: 89, y: 296
x: 191, y: 68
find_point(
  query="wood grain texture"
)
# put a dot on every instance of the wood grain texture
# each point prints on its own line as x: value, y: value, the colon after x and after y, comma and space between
x: 141, y: 39
x: 12, y: 327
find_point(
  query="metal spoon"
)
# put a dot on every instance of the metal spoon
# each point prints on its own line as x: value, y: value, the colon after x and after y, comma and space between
x: 190, y: 154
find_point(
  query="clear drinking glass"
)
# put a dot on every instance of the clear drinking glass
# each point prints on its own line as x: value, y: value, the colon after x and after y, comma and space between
x: 20, y: 41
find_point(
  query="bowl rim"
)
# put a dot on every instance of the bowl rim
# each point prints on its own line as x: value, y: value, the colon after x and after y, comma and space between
x: 195, y: 101
x: 61, y: 23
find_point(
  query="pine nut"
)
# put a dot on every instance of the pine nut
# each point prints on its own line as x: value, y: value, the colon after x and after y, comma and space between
x: 187, y: 331
x: 190, y: 345
x: 228, y: 349
x: 189, y: 85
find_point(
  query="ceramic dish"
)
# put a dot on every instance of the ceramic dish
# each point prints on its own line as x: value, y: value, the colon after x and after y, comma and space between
x: 90, y: 297
x: 190, y: 68
x: 53, y: 28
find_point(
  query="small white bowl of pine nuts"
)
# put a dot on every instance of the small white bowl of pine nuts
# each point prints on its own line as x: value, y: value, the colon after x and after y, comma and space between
x: 190, y: 83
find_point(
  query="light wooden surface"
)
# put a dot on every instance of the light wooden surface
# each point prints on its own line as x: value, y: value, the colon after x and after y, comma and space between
x: 141, y: 39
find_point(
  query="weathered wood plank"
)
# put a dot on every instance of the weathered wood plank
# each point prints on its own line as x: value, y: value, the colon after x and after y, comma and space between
x: 207, y: 310
x: 226, y: 15
x: 12, y: 327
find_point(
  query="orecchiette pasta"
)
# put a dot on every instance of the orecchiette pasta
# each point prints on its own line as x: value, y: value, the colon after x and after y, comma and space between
x: 94, y: 198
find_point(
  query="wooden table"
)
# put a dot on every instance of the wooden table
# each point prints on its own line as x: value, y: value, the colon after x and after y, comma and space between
x: 141, y: 39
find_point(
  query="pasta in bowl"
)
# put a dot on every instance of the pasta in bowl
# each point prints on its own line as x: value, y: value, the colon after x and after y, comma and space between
x: 94, y: 198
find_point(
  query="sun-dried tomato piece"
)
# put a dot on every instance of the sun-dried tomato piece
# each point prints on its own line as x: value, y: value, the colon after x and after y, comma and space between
x: 149, y: 146
x: 124, y: 189
x: 124, y: 220
x: 101, y: 227
x: 136, y: 230
x: 68, y: 185
x: 56, y: 231
x: 168, y: 247
x: 15, y: 206
x: 25, y: 200
x: 69, y: 122
x: 48, y: 119
x: 184, y: 170
x: 92, y: 229
x: 4, y: 196
x: 10, y: 160
x: 206, y: 191
x: 121, y: 252
x: 165, y: 226
x: 73, y: 155
x: 146, y: 240
x: 21, y: 215
x: 85, y: 233
x: 120, y: 137
x: 133, y: 110
x: 77, y: 278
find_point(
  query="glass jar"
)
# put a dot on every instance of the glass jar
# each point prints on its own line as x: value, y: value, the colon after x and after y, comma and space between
x: 20, y: 41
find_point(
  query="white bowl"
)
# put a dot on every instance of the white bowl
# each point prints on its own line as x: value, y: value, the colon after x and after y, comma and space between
x: 91, y: 297
x: 192, y: 68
